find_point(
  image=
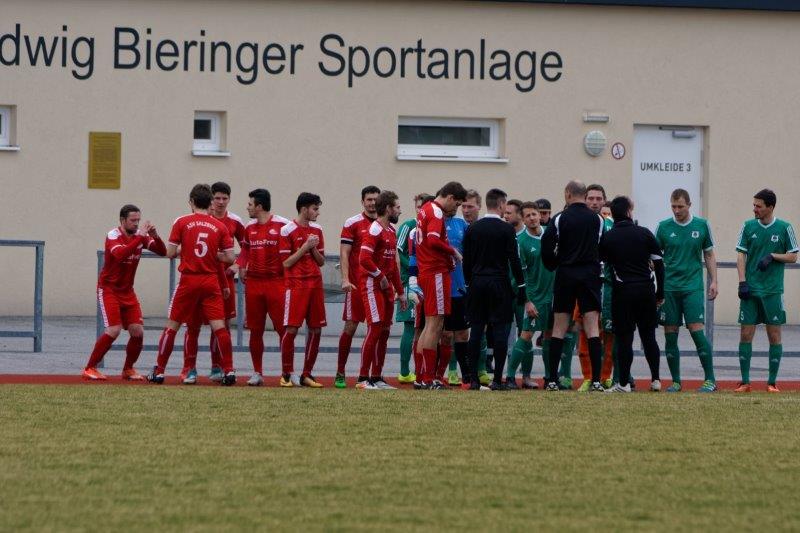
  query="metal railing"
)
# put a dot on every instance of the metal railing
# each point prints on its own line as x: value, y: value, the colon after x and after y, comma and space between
x: 723, y: 265
x: 38, y: 286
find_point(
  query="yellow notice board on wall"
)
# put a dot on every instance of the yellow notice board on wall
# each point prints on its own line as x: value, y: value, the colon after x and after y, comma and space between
x: 105, y: 159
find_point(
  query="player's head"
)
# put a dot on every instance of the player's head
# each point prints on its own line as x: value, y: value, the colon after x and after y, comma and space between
x: 200, y: 196
x: 369, y: 195
x: 129, y: 217
x: 308, y: 206
x: 621, y: 208
x: 513, y: 212
x: 388, y: 203
x: 420, y: 200
x: 595, y: 197
x: 450, y: 197
x: 471, y: 207
x: 680, y: 202
x: 545, y: 209
x: 221, y: 195
x: 605, y: 211
x: 530, y: 215
x: 575, y: 192
x: 496, y: 201
x: 764, y: 204
x: 259, y: 201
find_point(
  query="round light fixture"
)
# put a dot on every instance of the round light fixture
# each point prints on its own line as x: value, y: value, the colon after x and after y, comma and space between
x: 594, y: 143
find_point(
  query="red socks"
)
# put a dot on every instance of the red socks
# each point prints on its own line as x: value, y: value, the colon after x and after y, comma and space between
x: 345, y: 342
x: 225, y: 347
x: 190, y: 348
x: 257, y: 349
x: 165, y: 344
x: 132, y: 351
x: 312, y: 349
x: 369, y: 349
x: 101, y: 347
x: 418, y: 361
x: 383, y: 341
x: 429, y: 360
x: 445, y: 351
x: 287, y: 352
x: 216, y: 351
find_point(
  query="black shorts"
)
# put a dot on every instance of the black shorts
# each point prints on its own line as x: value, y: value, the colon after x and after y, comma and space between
x: 490, y: 301
x: 633, y: 306
x: 457, y: 319
x: 581, y: 284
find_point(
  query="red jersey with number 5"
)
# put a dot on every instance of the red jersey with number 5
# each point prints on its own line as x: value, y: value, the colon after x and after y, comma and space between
x: 200, y: 237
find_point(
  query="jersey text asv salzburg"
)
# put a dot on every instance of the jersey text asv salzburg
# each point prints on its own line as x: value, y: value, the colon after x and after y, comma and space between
x: 200, y: 237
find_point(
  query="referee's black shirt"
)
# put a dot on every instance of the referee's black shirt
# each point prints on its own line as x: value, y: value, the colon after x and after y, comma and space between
x: 490, y: 246
x: 629, y: 248
x: 572, y: 238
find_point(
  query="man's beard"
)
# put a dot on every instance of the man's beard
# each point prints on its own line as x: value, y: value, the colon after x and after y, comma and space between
x: 393, y: 219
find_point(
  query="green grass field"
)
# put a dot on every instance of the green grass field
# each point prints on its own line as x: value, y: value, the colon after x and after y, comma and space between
x: 136, y: 458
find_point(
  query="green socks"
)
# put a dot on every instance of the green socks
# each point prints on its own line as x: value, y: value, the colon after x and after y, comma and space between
x: 704, y: 352
x: 775, y: 353
x: 521, y: 354
x: 566, y: 355
x: 453, y: 366
x: 674, y: 355
x: 513, y: 361
x: 745, y: 353
x: 406, y: 341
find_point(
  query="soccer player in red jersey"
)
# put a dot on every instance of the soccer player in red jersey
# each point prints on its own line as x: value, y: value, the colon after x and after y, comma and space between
x: 221, y: 192
x: 204, y: 242
x: 379, y: 284
x: 302, y: 248
x: 261, y: 266
x: 353, y: 232
x: 118, y: 303
x: 435, y: 259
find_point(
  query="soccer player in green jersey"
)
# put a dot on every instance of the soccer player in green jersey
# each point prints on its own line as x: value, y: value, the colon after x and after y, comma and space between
x: 539, y: 290
x: 686, y: 239
x: 765, y: 245
x: 407, y: 316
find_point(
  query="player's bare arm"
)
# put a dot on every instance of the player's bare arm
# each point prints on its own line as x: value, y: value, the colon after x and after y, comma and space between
x: 344, y: 254
x: 711, y: 268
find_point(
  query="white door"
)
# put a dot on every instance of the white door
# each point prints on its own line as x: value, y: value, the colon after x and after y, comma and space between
x: 665, y: 158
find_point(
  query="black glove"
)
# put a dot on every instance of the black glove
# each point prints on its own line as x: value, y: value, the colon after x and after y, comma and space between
x: 744, y: 290
x: 521, y: 296
x: 764, y: 262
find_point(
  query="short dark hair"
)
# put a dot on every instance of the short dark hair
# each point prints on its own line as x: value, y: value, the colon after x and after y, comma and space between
x: 543, y: 204
x: 423, y: 198
x: 261, y: 197
x: 455, y: 189
x: 369, y: 189
x: 127, y: 209
x: 494, y: 197
x: 472, y: 193
x: 220, y: 186
x: 620, y: 207
x: 305, y: 199
x: 528, y: 205
x: 596, y: 187
x: 516, y: 203
x: 385, y: 200
x: 768, y: 196
x: 201, y: 196
x: 576, y: 188
x: 677, y: 194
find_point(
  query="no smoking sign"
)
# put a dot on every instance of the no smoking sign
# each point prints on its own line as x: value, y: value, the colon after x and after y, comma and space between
x: 618, y: 151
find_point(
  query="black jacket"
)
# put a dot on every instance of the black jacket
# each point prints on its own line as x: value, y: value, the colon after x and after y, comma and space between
x: 572, y: 238
x: 628, y: 249
x: 490, y: 247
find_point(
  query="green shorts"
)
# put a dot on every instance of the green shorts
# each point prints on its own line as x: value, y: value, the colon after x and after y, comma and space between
x: 763, y: 309
x: 544, y: 322
x: 408, y: 314
x: 683, y: 307
x: 605, y: 313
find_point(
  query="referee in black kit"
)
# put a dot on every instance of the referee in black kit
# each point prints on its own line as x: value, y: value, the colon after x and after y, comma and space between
x: 570, y: 246
x: 490, y: 247
x: 629, y: 250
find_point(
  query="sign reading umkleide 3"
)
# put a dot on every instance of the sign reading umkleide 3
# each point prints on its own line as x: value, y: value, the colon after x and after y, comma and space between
x: 105, y: 159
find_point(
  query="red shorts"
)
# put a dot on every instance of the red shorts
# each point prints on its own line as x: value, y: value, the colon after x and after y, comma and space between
x: 230, y: 301
x: 379, y: 305
x: 304, y: 304
x: 436, y: 290
x: 197, y: 293
x: 354, y: 306
x: 119, y: 308
x: 264, y: 297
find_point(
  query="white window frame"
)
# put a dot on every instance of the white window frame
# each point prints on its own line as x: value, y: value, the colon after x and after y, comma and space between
x: 5, y: 126
x: 213, y: 146
x: 429, y: 152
